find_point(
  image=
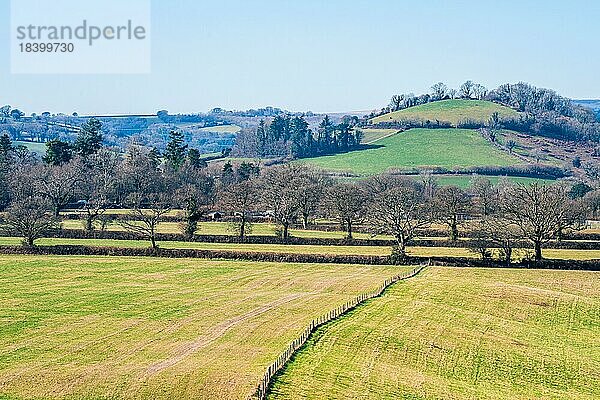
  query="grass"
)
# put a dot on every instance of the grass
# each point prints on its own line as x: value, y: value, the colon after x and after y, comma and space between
x: 373, y: 135
x: 454, y: 333
x: 34, y: 147
x: 419, y: 148
x: 224, y: 228
x: 144, y: 328
x: 222, y: 129
x: 563, y: 254
x: 452, y: 111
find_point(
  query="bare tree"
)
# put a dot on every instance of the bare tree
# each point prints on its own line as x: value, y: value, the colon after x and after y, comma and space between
x: 146, y: 212
x: 240, y: 199
x: 57, y: 183
x: 485, y: 195
x: 479, y: 91
x: 280, y: 195
x: 345, y: 202
x: 439, y: 90
x: 399, y: 212
x: 30, y: 215
x: 97, y: 185
x: 450, y: 205
x: 466, y: 90
x: 311, y: 191
x: 538, y: 211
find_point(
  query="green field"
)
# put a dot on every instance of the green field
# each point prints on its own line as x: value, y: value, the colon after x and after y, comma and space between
x: 34, y: 147
x: 222, y: 129
x: 419, y: 148
x: 562, y: 254
x: 452, y: 111
x: 373, y: 135
x: 454, y: 333
x: 146, y: 328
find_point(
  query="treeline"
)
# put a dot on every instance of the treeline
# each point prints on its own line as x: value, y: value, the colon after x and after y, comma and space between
x: 290, y: 136
x: 544, y: 112
x: 149, y: 187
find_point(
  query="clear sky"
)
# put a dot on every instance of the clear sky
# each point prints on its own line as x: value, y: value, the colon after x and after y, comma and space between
x: 327, y: 55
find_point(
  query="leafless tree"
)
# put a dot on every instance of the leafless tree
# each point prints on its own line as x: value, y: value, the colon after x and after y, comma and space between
x: 439, y: 90
x: 97, y: 185
x: 399, y: 211
x: 450, y: 205
x: 345, y: 202
x: 240, y: 199
x: 29, y: 215
x: 57, y: 183
x: 538, y: 211
x: 280, y: 195
x: 466, y: 90
x: 479, y: 91
x: 485, y: 195
x: 146, y: 212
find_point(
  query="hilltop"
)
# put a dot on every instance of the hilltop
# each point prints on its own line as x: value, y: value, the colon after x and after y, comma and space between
x: 453, y: 111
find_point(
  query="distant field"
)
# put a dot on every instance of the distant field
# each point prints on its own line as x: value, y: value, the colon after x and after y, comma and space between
x: 452, y: 111
x: 419, y: 148
x: 145, y: 328
x: 568, y: 254
x: 34, y: 147
x: 373, y: 135
x: 464, y: 181
x: 459, y: 334
x: 222, y: 129
x: 224, y: 228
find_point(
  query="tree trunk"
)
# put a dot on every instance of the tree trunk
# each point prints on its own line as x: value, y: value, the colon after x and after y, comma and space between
x: 89, y: 224
x: 57, y: 211
x: 30, y: 241
x: 349, y: 226
x: 454, y: 231
x: 242, y: 228
x: 538, y: 250
x: 285, y: 231
x: 305, y: 221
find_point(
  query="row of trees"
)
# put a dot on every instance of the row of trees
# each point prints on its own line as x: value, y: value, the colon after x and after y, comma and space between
x: 290, y: 136
x: 149, y: 187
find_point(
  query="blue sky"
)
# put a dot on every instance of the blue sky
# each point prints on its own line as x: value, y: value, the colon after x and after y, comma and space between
x: 327, y: 55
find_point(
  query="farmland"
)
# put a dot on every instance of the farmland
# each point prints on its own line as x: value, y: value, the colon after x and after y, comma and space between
x: 460, y: 334
x: 100, y: 327
x: 419, y: 148
x: 453, y: 111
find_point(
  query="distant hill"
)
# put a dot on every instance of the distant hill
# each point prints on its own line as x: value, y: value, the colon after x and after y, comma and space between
x: 592, y: 104
x: 452, y: 111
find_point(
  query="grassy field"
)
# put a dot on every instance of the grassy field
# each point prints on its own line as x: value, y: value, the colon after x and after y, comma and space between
x: 224, y: 228
x: 144, y: 328
x: 419, y: 148
x: 564, y: 254
x: 373, y: 135
x: 460, y: 334
x: 451, y: 111
x: 222, y: 129
x: 35, y: 147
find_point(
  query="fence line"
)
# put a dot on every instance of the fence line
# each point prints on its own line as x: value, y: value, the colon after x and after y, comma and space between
x: 263, y: 387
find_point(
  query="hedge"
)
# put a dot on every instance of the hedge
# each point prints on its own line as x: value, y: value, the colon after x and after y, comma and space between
x: 591, y: 265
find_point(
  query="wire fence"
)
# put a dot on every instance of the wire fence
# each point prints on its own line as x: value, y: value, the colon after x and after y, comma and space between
x: 263, y: 387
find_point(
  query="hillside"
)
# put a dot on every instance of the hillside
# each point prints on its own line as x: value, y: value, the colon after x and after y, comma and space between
x: 452, y: 111
x: 419, y: 148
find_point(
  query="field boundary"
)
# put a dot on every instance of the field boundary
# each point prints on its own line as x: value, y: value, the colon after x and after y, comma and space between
x: 78, y: 250
x: 263, y: 387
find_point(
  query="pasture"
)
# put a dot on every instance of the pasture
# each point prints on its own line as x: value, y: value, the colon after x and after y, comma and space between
x: 419, y: 148
x: 453, y: 111
x: 146, y: 328
x: 560, y: 254
x: 460, y: 334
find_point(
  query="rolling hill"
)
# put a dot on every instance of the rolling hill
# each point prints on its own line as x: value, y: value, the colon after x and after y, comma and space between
x: 452, y: 111
x: 419, y: 148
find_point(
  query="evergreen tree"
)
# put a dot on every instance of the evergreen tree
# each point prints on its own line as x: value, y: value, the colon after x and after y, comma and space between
x: 195, y: 160
x: 58, y: 152
x: 227, y: 174
x: 176, y: 149
x: 89, y: 140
